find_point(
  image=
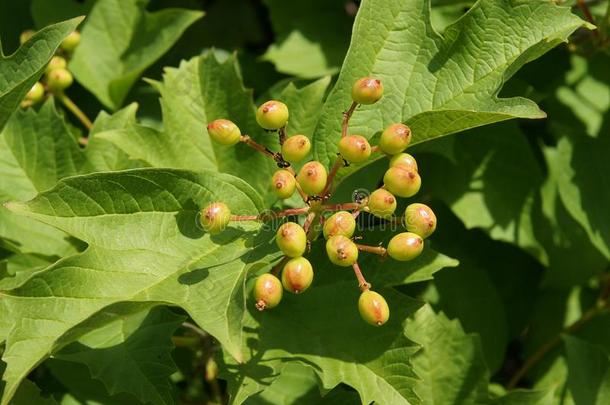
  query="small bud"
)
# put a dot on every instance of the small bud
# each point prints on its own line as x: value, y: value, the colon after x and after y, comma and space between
x: 402, y: 182
x: 70, y: 43
x: 354, y: 148
x: 291, y: 239
x: 296, y: 148
x: 373, y: 308
x: 56, y: 62
x: 25, y: 36
x: 405, y: 160
x: 272, y: 115
x: 312, y: 178
x: 382, y: 203
x: 215, y: 217
x: 340, y: 223
x: 297, y: 275
x: 395, y: 139
x: 36, y: 93
x: 341, y: 251
x: 367, y: 90
x: 267, y: 292
x: 224, y: 132
x: 283, y: 183
x: 405, y: 246
x: 420, y: 219
x: 59, y: 80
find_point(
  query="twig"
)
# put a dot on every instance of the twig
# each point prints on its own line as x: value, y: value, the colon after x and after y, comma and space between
x: 73, y: 108
x: 282, y: 135
x: 308, y: 221
x: 195, y: 329
x: 378, y: 250
x: 342, y: 207
x: 346, y: 117
x: 362, y: 283
x: 331, y: 176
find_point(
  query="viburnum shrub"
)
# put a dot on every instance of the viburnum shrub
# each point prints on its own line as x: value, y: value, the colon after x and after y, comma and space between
x: 315, y: 188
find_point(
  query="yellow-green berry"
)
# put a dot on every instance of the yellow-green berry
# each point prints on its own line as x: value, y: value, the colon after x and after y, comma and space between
x: 56, y: 62
x: 283, y: 183
x: 296, y: 148
x: 297, y: 275
x: 367, y: 90
x: 395, y: 138
x: 272, y: 114
x: 291, y: 239
x: 59, y: 79
x: 405, y: 246
x: 36, y: 93
x: 354, y: 148
x: 420, y: 219
x: 340, y: 223
x: 25, y: 36
x: 341, y: 250
x: 402, y: 182
x: 224, y: 132
x: 71, y: 41
x: 381, y: 203
x: 405, y: 160
x: 373, y: 308
x: 215, y: 217
x: 312, y: 177
x: 267, y: 292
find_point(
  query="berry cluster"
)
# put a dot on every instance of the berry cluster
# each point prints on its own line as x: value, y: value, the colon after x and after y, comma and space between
x: 57, y: 76
x: 337, y: 222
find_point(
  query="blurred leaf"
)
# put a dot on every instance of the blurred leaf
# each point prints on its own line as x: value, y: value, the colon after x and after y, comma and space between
x: 311, y: 37
x: 19, y: 71
x: 527, y: 397
x: 589, y: 372
x: 137, y: 39
x: 45, y: 12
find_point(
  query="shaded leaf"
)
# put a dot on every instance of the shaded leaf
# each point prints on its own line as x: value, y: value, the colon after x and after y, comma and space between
x: 588, y: 372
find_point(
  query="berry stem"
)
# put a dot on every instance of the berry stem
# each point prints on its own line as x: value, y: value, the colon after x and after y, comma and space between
x: 341, y: 207
x: 282, y: 135
x: 362, y: 283
x: 308, y: 221
x: 303, y: 195
x: 378, y: 250
x: 331, y: 176
x: 346, y: 117
x: 375, y: 148
x: 256, y: 146
x: 266, y: 216
x: 73, y: 108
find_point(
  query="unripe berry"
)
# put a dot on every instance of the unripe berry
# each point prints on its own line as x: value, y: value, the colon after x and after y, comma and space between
x: 56, y: 62
x: 367, y: 90
x: 267, y: 291
x: 312, y: 177
x: 71, y: 41
x: 224, y: 132
x: 382, y: 203
x: 420, y: 219
x: 297, y: 275
x: 272, y: 115
x: 283, y: 183
x: 395, y: 139
x: 25, y: 36
x: 340, y: 223
x: 59, y: 79
x: 296, y: 148
x: 354, y: 148
x: 291, y: 239
x: 341, y: 251
x: 405, y: 246
x: 36, y: 93
x: 402, y: 182
x: 215, y: 217
x: 405, y: 160
x: 373, y: 308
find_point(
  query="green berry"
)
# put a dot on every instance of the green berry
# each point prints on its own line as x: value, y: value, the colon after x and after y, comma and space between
x: 59, y: 80
x: 215, y: 217
x: 402, y: 182
x: 312, y: 177
x: 297, y: 275
x: 354, y: 148
x: 340, y: 223
x: 267, y: 292
x: 296, y: 148
x: 405, y: 160
x: 341, y: 250
x: 272, y: 115
x: 56, y: 62
x: 373, y: 308
x: 71, y: 41
x: 367, y: 90
x: 395, y: 138
x: 36, y: 93
x: 382, y: 203
x: 25, y: 36
x: 405, y: 246
x: 283, y: 183
x: 224, y: 132
x: 420, y: 219
x: 291, y: 239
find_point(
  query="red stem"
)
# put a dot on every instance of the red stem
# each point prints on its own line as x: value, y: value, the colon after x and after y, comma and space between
x: 279, y: 214
x: 331, y: 176
x: 362, y: 283
x: 378, y: 250
x: 341, y: 207
x: 346, y: 117
x: 282, y: 135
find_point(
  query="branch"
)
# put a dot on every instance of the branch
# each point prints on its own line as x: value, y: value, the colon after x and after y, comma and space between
x: 73, y: 108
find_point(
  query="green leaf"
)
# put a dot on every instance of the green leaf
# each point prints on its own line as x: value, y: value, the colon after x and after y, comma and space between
x: 311, y: 37
x: 137, y: 39
x: 114, y: 351
x: 589, y: 372
x: 201, y: 90
x: 296, y: 385
x: 440, y: 85
x: 144, y: 245
x: 28, y: 394
x: 49, y: 12
x: 450, y: 365
x: 16, y: 269
x: 19, y: 71
x: 527, y: 397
